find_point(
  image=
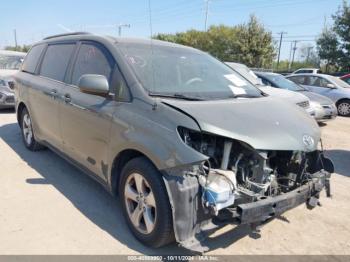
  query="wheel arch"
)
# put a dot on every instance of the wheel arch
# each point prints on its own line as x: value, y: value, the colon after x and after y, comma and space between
x: 341, y: 100
x: 119, y: 162
x: 19, y: 110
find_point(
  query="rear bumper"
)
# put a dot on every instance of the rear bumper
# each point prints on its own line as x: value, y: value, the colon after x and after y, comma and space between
x: 262, y: 210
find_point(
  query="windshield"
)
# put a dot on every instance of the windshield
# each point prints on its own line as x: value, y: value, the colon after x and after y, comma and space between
x: 282, y: 82
x: 164, y: 70
x: 246, y: 73
x: 339, y: 82
x: 11, y: 62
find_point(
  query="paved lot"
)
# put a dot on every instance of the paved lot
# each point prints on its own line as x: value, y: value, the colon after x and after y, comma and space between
x: 48, y: 207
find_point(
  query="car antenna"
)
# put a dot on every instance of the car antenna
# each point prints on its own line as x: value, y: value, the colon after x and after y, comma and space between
x: 154, y: 107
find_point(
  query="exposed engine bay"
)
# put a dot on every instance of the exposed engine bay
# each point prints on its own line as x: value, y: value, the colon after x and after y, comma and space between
x: 235, y: 173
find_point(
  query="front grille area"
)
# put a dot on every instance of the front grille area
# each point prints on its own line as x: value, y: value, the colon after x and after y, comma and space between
x: 304, y: 104
x: 10, y: 99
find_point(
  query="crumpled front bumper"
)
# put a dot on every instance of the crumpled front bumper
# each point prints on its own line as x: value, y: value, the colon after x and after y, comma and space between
x: 264, y: 209
x: 193, y: 222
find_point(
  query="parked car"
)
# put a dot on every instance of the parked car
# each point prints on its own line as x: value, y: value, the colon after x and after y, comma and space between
x: 183, y: 139
x: 332, y: 87
x: 307, y: 71
x: 10, y: 61
x: 295, y: 98
x: 323, y: 107
x: 346, y: 78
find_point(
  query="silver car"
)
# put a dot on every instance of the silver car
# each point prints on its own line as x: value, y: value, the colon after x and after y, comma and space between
x: 10, y: 62
x: 324, y: 108
x: 289, y: 96
x: 186, y: 142
x: 332, y: 87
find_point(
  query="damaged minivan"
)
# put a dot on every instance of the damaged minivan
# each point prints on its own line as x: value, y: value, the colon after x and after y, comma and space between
x: 185, y: 141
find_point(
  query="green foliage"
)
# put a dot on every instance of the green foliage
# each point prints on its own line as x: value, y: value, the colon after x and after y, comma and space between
x: 249, y: 43
x: 334, y: 44
x: 342, y: 28
x: 284, y: 65
x: 24, y: 48
x: 328, y: 48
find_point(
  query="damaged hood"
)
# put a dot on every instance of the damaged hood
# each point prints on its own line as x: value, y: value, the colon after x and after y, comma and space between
x: 264, y: 123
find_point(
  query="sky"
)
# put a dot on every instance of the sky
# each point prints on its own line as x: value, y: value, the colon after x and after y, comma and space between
x: 34, y: 19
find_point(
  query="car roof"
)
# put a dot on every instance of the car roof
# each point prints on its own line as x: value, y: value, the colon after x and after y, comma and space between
x: 309, y: 74
x: 345, y: 76
x: 76, y: 36
x: 12, y: 53
x: 307, y: 68
x: 266, y: 73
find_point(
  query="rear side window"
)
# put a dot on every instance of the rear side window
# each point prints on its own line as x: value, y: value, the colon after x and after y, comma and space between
x: 56, y: 60
x: 301, y: 80
x: 32, y: 59
x: 91, y: 60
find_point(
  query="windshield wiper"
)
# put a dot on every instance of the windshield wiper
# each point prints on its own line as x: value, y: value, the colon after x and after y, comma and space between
x: 245, y: 96
x: 177, y: 96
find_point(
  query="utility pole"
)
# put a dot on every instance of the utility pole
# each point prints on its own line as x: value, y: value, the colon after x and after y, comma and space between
x: 309, y: 48
x: 290, y: 56
x: 206, y: 14
x: 294, y: 49
x: 15, y: 35
x: 279, y: 49
x: 120, y: 28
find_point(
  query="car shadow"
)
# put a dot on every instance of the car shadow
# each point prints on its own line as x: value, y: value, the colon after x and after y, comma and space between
x: 7, y: 111
x: 92, y: 200
x: 340, y: 160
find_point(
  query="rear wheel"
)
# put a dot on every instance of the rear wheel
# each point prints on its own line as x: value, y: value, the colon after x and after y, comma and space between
x: 145, y: 203
x: 344, y: 108
x: 27, y: 132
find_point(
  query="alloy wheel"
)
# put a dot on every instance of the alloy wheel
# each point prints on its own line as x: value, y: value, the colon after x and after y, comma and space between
x: 27, y: 129
x: 344, y: 109
x: 140, y: 203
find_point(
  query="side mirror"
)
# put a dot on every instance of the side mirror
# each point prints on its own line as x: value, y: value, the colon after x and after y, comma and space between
x: 331, y: 86
x: 94, y: 84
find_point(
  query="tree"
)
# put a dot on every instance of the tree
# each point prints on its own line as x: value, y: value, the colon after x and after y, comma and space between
x: 24, y: 48
x: 248, y: 43
x: 328, y: 48
x: 255, y: 44
x: 342, y: 29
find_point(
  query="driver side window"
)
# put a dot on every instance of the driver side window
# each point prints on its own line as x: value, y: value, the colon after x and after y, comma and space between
x: 91, y: 60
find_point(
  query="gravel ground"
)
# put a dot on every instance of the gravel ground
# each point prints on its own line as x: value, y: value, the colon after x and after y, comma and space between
x: 48, y: 207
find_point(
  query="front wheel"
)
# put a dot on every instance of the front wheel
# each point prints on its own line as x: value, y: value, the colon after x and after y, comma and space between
x: 344, y: 108
x: 145, y: 203
x: 28, y: 133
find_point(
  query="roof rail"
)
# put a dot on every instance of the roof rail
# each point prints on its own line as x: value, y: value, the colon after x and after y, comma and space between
x: 67, y: 34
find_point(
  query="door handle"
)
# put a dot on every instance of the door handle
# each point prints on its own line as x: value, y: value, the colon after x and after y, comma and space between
x: 67, y: 98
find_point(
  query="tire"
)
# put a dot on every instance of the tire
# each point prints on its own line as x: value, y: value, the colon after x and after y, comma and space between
x: 152, y: 223
x: 28, y: 133
x: 343, y: 107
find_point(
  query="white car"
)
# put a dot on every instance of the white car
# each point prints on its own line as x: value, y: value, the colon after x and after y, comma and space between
x: 10, y: 62
x: 290, y: 96
x: 307, y: 71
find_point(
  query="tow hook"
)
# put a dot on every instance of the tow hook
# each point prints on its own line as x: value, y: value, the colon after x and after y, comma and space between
x: 255, y: 229
x: 313, y: 202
